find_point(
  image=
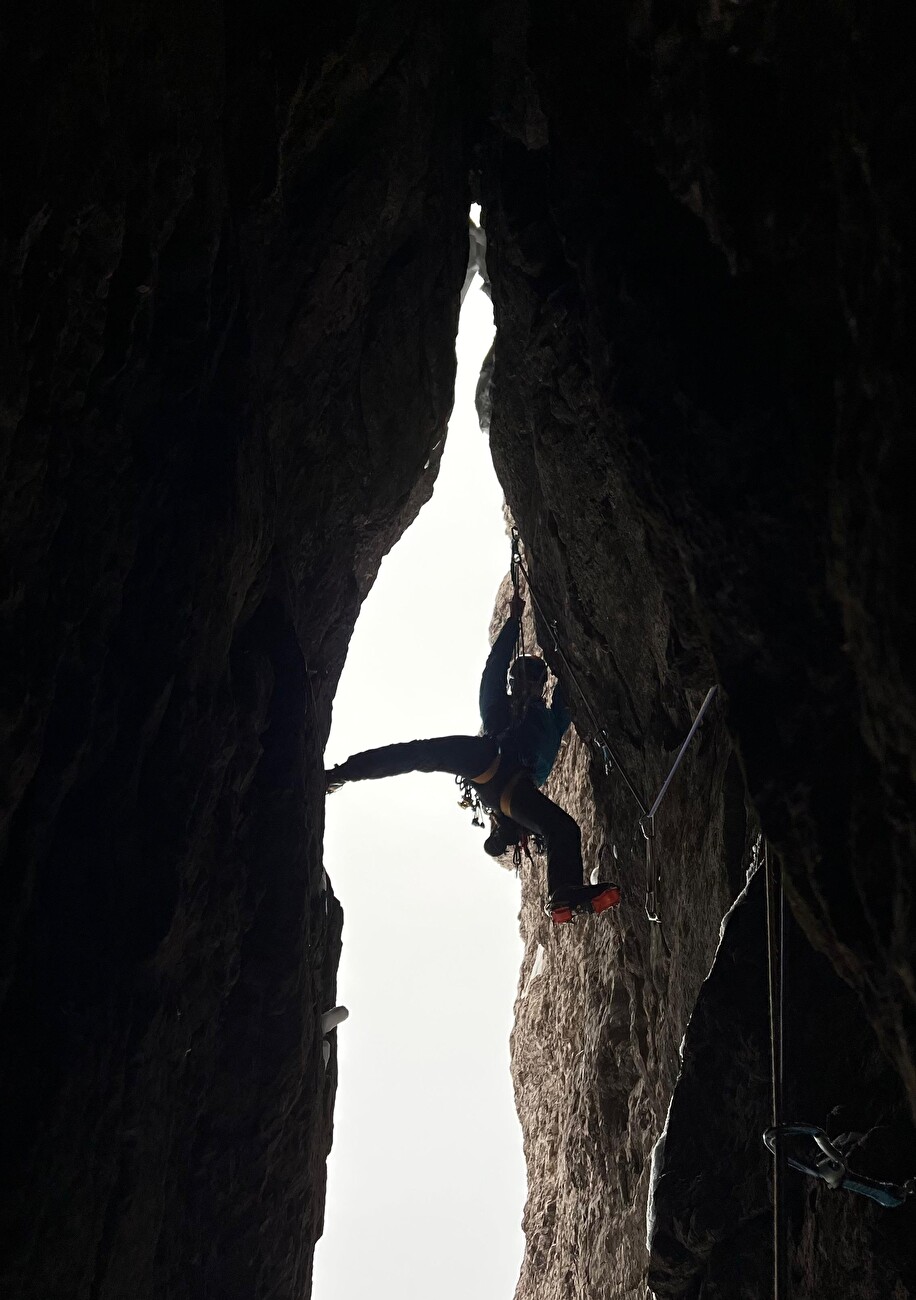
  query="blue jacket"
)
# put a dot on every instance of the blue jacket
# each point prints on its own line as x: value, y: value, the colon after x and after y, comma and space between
x: 534, y: 739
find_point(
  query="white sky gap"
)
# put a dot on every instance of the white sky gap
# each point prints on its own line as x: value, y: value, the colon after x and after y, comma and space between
x: 426, y: 1179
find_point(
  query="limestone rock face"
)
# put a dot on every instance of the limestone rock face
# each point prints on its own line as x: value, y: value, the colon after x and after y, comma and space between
x: 700, y: 412
x: 710, y: 1223
x: 603, y: 1004
x: 233, y: 243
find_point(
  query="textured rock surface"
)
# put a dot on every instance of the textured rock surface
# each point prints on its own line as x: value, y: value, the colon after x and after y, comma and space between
x: 696, y: 241
x: 232, y: 241
x: 711, y: 1221
x: 595, y: 1046
x: 710, y: 378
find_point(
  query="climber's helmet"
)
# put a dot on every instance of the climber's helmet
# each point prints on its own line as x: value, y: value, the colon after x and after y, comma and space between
x: 528, y: 676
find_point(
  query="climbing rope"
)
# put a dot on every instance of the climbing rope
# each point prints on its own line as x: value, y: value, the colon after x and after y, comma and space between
x: 826, y: 1162
x: 599, y: 733
x: 600, y: 738
x: 776, y: 969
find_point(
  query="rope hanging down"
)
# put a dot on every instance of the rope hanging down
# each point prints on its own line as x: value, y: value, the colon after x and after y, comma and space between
x: 601, y: 740
x: 776, y: 968
x: 823, y: 1159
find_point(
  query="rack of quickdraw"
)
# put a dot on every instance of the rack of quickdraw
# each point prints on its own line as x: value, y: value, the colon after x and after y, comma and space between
x: 611, y: 760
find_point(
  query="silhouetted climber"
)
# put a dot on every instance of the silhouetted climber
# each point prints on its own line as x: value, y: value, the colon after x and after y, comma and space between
x: 505, y: 765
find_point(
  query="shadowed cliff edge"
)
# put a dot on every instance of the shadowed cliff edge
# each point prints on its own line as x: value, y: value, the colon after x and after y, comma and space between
x: 233, y: 242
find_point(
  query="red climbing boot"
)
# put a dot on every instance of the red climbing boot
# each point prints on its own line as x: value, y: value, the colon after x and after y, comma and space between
x: 564, y: 903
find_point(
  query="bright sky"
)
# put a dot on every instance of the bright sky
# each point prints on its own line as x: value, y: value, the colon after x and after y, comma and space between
x: 426, y: 1180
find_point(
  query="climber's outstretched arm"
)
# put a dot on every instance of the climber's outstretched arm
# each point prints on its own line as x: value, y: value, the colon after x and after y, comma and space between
x: 494, y: 707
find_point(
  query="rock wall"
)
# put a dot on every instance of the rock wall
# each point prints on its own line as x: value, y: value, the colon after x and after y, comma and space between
x: 233, y: 240
x: 696, y: 240
x: 603, y: 1005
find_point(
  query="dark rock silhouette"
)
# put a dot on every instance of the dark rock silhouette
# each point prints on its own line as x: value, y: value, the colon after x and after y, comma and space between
x: 234, y: 240
x: 233, y: 245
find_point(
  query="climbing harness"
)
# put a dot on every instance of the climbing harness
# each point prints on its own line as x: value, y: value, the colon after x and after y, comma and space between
x: 600, y: 738
x: 505, y: 795
x: 828, y: 1164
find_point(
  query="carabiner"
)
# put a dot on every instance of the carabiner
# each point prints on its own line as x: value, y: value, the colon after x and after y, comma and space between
x: 830, y: 1167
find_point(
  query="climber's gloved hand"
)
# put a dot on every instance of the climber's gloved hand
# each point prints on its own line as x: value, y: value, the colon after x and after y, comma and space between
x: 332, y: 782
x: 516, y: 606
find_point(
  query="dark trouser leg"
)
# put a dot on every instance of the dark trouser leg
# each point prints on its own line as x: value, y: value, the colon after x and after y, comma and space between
x: 460, y: 755
x: 560, y: 833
